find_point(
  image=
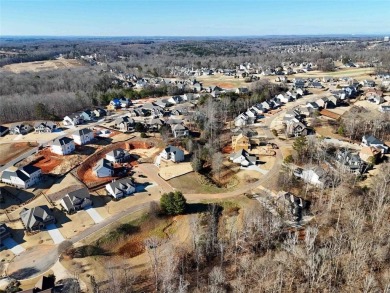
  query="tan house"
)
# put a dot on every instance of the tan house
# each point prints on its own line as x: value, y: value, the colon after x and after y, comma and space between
x: 240, y: 142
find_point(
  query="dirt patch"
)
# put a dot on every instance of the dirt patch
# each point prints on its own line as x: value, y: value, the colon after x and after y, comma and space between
x: 47, y: 161
x: 42, y: 65
x: 227, y: 149
x: 84, y: 172
x: 10, y: 151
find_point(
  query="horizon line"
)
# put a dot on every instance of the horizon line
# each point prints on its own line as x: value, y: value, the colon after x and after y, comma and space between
x: 203, y: 36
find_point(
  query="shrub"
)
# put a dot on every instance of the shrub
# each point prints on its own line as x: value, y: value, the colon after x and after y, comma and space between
x: 143, y: 135
x: 173, y: 203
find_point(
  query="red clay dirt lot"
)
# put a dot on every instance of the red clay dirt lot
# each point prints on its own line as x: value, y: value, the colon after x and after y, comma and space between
x: 84, y: 172
x: 10, y: 151
x: 47, y: 161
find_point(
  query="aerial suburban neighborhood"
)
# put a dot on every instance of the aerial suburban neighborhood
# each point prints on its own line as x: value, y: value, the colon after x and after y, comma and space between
x: 195, y: 164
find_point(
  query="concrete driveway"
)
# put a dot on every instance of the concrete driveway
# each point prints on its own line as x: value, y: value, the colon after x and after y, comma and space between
x: 96, y: 217
x: 55, y: 234
x: 13, y: 246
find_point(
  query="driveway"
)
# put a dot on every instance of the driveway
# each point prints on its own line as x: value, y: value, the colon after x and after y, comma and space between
x: 94, y: 214
x: 151, y: 171
x: 255, y: 168
x: 13, y: 246
x: 55, y: 234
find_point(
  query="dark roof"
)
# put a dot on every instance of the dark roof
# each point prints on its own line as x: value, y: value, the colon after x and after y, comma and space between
x: 172, y: 149
x: 62, y: 141
x: 45, y: 283
x: 34, y: 216
x: 372, y: 140
x: 30, y: 169
x: 83, y: 131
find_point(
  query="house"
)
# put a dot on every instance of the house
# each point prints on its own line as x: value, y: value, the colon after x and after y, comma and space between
x: 20, y: 129
x: 44, y: 285
x: 197, y: 87
x: 41, y: 127
x: 36, y: 218
x: 173, y: 154
x: 299, y: 83
x: 115, y: 104
x: 322, y: 102
x: 63, y: 146
x: 120, y: 188
x: 296, y: 128
x: 351, y: 162
x: 376, y: 99
x: 284, y: 98
x: 155, y: 124
x: 87, y: 115
x: 23, y: 177
x: 243, y: 158
x: 240, y: 142
x: 371, y: 141
x: 76, y: 200
x: 175, y: 100
x: 99, y: 112
x: 4, y: 232
x: 3, y: 130
x: 125, y: 102
x: 332, y: 102
x: 242, y: 90
x: 73, y: 119
x: 299, y: 207
x: 368, y: 83
x: 125, y: 123
x: 384, y: 108
x: 315, y: 84
x: 179, y: 130
x: 118, y: 156
x: 242, y: 120
x: 312, y: 105
x: 103, y: 168
x: 266, y: 105
x: 316, y: 176
x: 83, y: 136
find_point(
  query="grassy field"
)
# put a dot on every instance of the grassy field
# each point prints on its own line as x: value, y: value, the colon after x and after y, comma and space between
x: 227, y: 82
x: 361, y: 73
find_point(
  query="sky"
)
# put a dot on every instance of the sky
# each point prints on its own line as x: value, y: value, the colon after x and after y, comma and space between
x: 193, y: 17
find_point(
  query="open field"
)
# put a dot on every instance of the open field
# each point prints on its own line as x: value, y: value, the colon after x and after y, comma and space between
x: 223, y: 81
x: 362, y: 73
x: 10, y: 151
x: 41, y: 65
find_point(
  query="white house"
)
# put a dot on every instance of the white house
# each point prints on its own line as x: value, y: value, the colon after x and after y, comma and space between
x: 371, y: 141
x: 120, y: 188
x: 172, y: 153
x: 103, y: 168
x: 243, y: 158
x: 63, y: 146
x: 73, y: 119
x: 315, y: 176
x: 23, y: 177
x: 179, y: 130
x: 83, y: 136
x: 118, y: 155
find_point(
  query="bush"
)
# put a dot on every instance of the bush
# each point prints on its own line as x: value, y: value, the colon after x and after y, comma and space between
x: 173, y: 203
x: 143, y: 135
x: 274, y: 132
x: 289, y: 159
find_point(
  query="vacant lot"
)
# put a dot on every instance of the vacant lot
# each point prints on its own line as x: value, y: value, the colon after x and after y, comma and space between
x: 226, y: 82
x: 42, y: 65
x: 362, y: 73
x: 10, y: 151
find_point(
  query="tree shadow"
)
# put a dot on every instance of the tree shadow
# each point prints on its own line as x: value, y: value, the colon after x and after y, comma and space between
x: 23, y: 273
x: 197, y: 208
